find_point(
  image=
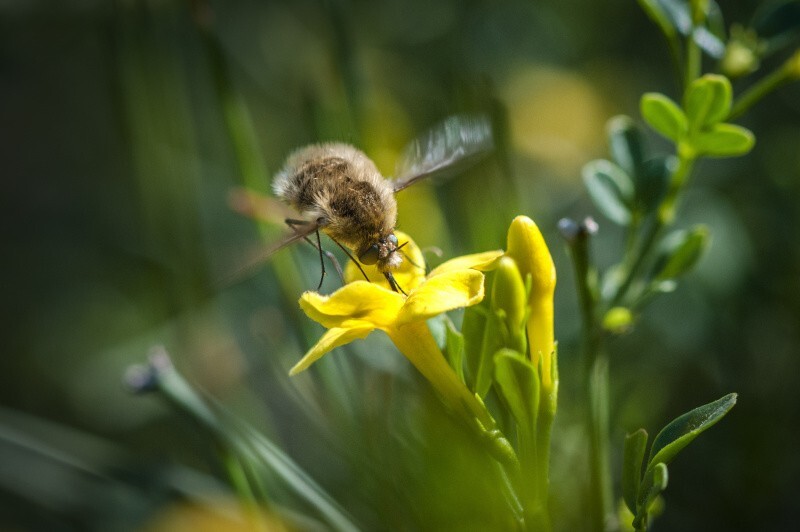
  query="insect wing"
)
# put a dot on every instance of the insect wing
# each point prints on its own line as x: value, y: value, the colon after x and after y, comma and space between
x: 261, y: 255
x: 455, y: 143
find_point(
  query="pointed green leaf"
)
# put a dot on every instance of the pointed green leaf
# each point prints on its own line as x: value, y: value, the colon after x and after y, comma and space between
x: 518, y: 383
x: 633, y: 455
x: 664, y: 115
x: 723, y: 140
x: 655, y: 481
x: 473, y: 328
x: 708, y: 101
x: 454, y: 348
x: 493, y: 340
x: 626, y: 144
x: 610, y: 188
x: 679, y: 253
x: 680, y: 432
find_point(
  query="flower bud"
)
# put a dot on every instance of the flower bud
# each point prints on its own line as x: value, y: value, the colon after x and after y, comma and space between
x: 508, y: 296
x: 527, y: 247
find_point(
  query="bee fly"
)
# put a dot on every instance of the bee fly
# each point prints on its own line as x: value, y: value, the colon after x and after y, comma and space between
x: 337, y: 189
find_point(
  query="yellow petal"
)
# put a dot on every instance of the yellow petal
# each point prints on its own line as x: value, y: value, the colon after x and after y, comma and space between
x: 355, y: 302
x: 477, y: 261
x: 331, y: 339
x: 444, y: 292
x: 408, y: 275
x: 416, y: 342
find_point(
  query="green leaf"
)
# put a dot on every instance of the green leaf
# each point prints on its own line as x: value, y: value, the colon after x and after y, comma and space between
x: 494, y: 338
x: 680, y: 432
x: 626, y: 144
x: 632, y: 457
x: 473, y: 328
x: 655, y: 481
x: 679, y: 253
x: 610, y: 188
x: 723, y: 140
x: 454, y: 348
x: 653, y: 181
x: 664, y: 115
x: 708, y: 101
x: 518, y: 383
x: 659, y: 16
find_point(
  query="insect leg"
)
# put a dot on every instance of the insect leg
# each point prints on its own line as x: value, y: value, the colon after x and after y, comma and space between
x: 393, y: 283
x: 400, y: 249
x: 350, y: 256
x: 318, y: 246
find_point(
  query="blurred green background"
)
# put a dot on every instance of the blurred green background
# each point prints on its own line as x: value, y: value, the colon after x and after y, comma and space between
x: 124, y: 126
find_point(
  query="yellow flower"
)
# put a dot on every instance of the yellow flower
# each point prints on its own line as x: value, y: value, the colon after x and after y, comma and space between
x: 527, y: 247
x: 360, y: 307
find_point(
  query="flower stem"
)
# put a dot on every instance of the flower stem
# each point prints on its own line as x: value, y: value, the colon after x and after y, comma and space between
x: 763, y: 87
x: 595, y: 379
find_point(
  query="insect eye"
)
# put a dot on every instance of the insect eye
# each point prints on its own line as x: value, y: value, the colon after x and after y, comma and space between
x: 393, y: 239
x: 370, y: 256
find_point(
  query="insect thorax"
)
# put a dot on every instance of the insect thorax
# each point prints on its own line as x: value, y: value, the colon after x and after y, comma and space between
x: 341, y: 187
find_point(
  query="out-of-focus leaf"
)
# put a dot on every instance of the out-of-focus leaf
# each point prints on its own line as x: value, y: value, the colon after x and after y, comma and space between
x: 723, y: 140
x: 610, y: 188
x: 663, y: 115
x: 653, y: 181
x: 777, y: 19
x: 632, y: 457
x: 681, y: 431
x: 626, y: 144
x: 679, y: 252
x: 658, y: 15
x: 708, y: 101
x: 710, y: 43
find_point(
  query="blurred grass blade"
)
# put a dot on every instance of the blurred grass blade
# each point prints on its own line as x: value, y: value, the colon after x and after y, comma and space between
x: 299, y: 480
x: 241, y: 439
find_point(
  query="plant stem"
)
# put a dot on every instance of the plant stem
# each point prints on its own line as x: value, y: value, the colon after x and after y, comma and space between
x: 600, y: 466
x: 666, y: 214
x: 755, y: 93
x: 596, y: 384
x: 693, y: 61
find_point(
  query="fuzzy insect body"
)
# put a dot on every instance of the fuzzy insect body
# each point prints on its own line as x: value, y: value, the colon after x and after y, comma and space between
x: 340, y: 189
